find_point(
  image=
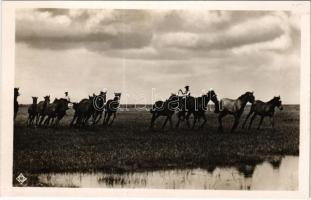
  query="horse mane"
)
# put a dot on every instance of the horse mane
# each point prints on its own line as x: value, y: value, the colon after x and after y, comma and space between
x: 242, y: 96
x: 274, y: 99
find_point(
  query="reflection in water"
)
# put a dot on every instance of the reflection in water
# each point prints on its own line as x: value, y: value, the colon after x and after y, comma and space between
x: 265, y: 176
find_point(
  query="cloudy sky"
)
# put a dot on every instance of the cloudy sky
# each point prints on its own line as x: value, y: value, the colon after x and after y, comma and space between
x: 132, y: 51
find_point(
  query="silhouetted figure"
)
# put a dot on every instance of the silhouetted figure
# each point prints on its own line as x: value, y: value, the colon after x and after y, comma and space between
x: 16, y: 94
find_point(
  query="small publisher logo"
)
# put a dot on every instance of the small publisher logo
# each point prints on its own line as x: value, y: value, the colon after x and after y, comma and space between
x: 21, y: 178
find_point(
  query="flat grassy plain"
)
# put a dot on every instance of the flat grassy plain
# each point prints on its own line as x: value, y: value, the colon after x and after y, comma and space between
x: 129, y: 145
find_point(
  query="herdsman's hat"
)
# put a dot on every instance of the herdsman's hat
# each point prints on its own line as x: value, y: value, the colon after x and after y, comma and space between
x: 66, y: 93
x: 187, y: 87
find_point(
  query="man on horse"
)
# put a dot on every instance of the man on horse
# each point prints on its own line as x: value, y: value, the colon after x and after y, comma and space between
x: 186, y: 93
x: 68, y: 99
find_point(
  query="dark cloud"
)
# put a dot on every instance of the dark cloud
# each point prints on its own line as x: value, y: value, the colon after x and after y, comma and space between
x: 152, y: 34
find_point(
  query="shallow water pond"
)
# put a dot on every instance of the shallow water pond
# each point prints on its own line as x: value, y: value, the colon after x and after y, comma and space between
x: 279, y: 175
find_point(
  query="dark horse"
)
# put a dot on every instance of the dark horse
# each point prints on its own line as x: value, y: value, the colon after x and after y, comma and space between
x: 264, y: 109
x: 111, y: 108
x: 99, y: 105
x: 235, y: 108
x: 197, y: 107
x: 83, y: 111
x: 57, y: 110
x: 16, y: 94
x: 41, y: 109
x: 166, y: 108
x: 33, y: 112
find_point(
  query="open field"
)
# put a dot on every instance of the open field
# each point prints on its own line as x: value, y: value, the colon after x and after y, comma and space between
x: 129, y: 145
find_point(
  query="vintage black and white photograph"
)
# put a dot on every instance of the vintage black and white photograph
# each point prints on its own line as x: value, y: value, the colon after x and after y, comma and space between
x: 188, y: 99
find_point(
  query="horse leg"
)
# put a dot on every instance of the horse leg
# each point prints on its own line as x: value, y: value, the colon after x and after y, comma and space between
x: 165, y: 122
x: 179, y: 115
x: 220, y: 116
x: 99, y: 118
x: 261, y: 119
x: 73, y: 120
x: 249, y: 114
x: 57, y: 120
x: 31, y: 120
x: 178, y: 122
x: 204, y: 121
x: 28, y: 120
x: 108, y: 118
x: 52, y: 122
x: 187, y: 119
x: 272, y: 121
x: 195, y: 118
x: 105, y: 118
x: 154, y: 117
x: 236, y: 122
x: 37, y: 119
x: 47, y: 121
x: 171, y: 122
x: 252, y: 119
x: 41, y: 119
x: 114, y: 116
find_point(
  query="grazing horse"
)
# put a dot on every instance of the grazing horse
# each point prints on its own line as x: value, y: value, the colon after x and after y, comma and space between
x: 235, y: 108
x: 41, y: 109
x: 197, y: 107
x: 16, y: 94
x: 83, y: 111
x: 33, y: 111
x: 99, y: 104
x: 264, y: 109
x: 57, y: 110
x: 111, y: 108
x: 166, y: 108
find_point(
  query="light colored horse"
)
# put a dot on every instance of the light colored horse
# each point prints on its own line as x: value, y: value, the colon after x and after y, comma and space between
x: 264, y: 109
x: 234, y: 107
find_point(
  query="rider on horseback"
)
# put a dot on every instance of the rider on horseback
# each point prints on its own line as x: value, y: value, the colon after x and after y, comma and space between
x: 186, y: 93
x: 70, y: 105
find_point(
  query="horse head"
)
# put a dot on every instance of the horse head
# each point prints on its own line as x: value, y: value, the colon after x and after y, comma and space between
x: 277, y: 102
x: 16, y: 92
x: 34, y: 100
x: 47, y: 99
x: 249, y: 96
x: 213, y: 97
x: 117, y: 96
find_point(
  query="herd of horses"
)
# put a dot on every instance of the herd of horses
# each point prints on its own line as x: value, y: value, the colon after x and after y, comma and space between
x: 95, y: 107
